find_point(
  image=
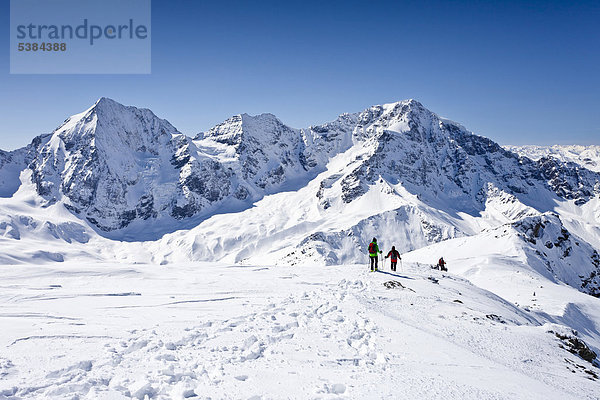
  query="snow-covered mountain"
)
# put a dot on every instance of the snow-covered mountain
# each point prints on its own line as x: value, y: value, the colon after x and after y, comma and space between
x: 586, y: 156
x: 408, y: 176
x: 118, y: 166
x: 113, y: 165
x: 396, y: 171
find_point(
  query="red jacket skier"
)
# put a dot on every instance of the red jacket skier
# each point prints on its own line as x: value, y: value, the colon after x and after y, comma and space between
x: 394, y: 256
x: 442, y: 265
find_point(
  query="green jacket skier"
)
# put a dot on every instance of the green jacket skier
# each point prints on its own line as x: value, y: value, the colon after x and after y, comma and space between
x: 374, y: 253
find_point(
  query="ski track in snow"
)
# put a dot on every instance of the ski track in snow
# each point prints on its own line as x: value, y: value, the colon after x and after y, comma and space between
x: 206, y: 331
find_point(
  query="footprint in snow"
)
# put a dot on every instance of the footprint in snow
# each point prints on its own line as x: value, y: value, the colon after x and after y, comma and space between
x: 83, y: 366
x: 335, y: 388
x: 136, y: 345
x: 5, y: 366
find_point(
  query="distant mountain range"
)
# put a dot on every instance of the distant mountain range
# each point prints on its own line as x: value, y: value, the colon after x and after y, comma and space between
x: 586, y: 156
x: 119, y: 182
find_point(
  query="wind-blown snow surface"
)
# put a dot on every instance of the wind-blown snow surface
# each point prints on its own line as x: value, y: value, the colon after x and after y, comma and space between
x: 112, y: 331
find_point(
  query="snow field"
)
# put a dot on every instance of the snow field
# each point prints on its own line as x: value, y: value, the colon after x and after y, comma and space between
x: 202, y: 330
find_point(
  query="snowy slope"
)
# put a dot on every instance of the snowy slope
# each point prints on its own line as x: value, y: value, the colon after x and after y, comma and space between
x: 542, y: 244
x: 586, y: 156
x: 33, y: 232
x: 119, y: 331
x: 536, y: 264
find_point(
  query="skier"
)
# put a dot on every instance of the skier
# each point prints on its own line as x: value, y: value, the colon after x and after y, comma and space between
x: 442, y: 264
x: 394, y: 256
x: 374, y: 253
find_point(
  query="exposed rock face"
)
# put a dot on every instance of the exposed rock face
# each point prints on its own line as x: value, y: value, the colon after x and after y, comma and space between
x: 564, y: 256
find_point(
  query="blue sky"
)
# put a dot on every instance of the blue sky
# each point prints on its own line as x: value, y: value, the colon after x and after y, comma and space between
x: 519, y: 72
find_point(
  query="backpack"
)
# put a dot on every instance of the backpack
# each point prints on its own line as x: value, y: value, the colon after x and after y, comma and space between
x: 371, y: 248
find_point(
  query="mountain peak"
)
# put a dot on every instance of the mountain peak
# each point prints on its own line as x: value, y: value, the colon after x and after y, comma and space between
x: 264, y: 127
x: 113, y: 125
x: 105, y: 104
x: 262, y: 116
x: 408, y: 102
x: 410, y: 108
x: 106, y: 101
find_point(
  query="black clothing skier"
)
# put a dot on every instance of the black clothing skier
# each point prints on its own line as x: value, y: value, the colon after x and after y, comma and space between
x: 394, y: 256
